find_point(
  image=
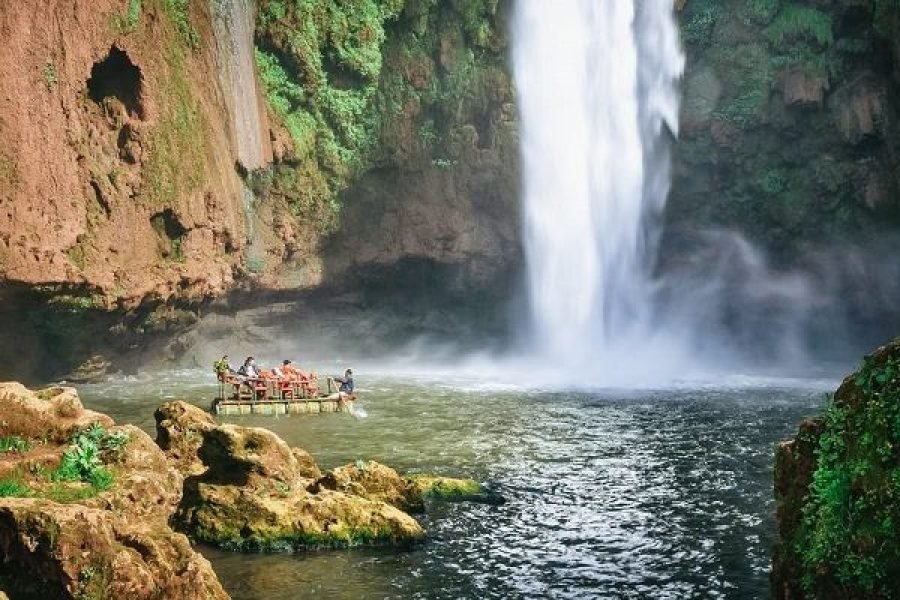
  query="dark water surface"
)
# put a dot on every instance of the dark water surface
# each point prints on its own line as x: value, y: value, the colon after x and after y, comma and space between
x: 618, y: 494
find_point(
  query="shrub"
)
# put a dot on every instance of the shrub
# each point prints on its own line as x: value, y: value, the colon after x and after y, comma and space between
x: 10, y: 488
x: 796, y: 22
x: 849, y: 531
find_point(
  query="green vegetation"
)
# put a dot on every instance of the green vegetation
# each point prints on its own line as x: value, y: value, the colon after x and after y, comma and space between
x: 11, y: 488
x: 179, y: 13
x: 127, y: 23
x: 13, y: 443
x: 795, y: 22
x: 322, y: 65
x: 699, y: 19
x: 84, y: 461
x: 49, y: 75
x: 80, y: 475
x: 752, y: 78
x: 772, y: 181
x: 176, y: 147
x: 851, y: 519
x: 761, y: 11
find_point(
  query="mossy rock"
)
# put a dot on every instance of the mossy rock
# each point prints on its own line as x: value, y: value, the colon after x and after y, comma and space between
x: 843, y: 538
x: 448, y: 489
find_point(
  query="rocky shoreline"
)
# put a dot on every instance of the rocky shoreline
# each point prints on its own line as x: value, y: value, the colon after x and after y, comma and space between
x: 92, y: 509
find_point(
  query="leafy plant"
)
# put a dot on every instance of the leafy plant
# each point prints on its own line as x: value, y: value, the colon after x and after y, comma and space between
x: 13, y: 443
x: 851, y: 518
x: 10, y: 488
x: 84, y: 460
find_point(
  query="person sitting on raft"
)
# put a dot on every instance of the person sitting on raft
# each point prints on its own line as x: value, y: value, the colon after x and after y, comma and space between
x: 345, y: 392
x: 249, y: 372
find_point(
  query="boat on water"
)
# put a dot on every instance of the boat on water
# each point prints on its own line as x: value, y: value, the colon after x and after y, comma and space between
x: 273, y: 396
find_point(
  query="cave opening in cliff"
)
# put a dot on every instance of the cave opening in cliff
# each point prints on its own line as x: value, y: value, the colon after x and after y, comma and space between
x: 116, y: 76
x: 170, y: 232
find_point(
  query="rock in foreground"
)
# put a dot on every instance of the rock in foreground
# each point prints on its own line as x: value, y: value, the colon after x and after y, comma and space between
x: 837, y: 487
x: 257, y: 493
x: 53, y: 550
x: 84, y: 506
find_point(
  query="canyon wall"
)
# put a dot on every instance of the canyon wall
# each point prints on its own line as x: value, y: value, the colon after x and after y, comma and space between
x: 390, y: 159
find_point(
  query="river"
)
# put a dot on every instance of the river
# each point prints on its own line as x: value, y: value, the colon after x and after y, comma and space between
x: 627, y: 494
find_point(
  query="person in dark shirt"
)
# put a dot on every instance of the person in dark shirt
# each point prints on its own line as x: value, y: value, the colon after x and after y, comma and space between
x: 346, y: 382
x: 345, y: 392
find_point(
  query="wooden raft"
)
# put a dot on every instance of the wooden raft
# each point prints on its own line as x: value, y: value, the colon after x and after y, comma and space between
x: 287, y: 406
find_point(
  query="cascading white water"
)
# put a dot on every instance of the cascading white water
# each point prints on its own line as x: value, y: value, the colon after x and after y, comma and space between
x: 597, y: 86
x: 233, y: 23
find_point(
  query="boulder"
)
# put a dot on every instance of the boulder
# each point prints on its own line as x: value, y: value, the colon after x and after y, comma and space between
x: 254, y: 492
x: 178, y: 433
x: 52, y: 414
x: 96, y: 498
x: 373, y: 481
x: 430, y: 487
x: 247, y: 519
x: 72, y: 551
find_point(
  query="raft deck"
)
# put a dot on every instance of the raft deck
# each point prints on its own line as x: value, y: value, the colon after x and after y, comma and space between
x: 274, y: 406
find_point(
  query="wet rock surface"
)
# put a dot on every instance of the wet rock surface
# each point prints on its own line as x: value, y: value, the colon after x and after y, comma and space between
x: 246, y: 489
x: 85, y: 504
x: 257, y: 493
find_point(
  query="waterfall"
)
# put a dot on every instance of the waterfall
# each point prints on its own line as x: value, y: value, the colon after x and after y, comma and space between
x: 597, y: 90
x: 233, y: 24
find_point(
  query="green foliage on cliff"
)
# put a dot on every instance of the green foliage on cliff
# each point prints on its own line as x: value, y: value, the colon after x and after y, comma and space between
x: 850, y: 532
x: 362, y: 83
x: 796, y: 22
x: 176, y: 147
x: 179, y: 12
x: 699, y: 20
x: 128, y: 22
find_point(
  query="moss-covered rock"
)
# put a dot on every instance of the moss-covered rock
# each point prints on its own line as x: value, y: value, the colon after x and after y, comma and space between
x: 373, y: 481
x: 53, y: 414
x: 71, y: 552
x: 253, y: 519
x: 786, y: 113
x: 448, y: 489
x: 838, y: 492
x: 85, y: 504
x: 247, y: 489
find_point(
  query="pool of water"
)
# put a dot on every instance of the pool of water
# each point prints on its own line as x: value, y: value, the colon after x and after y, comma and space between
x: 625, y: 494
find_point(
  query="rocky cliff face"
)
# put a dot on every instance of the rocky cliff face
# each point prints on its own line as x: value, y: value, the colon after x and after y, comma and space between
x: 116, y: 165
x: 836, y: 487
x: 395, y: 129
x: 390, y: 143
x: 789, y: 121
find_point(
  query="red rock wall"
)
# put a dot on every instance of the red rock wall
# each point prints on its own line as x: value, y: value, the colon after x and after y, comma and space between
x: 82, y: 179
